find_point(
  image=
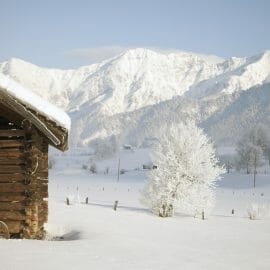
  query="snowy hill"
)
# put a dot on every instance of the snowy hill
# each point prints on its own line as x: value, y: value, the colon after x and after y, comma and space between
x: 239, y: 74
x: 131, y: 94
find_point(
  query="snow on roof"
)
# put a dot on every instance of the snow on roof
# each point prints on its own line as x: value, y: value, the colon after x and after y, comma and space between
x: 34, y: 102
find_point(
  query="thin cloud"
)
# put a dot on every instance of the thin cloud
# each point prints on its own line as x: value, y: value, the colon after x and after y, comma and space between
x: 98, y: 54
x: 94, y: 55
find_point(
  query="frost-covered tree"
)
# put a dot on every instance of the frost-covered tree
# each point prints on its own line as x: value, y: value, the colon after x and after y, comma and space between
x: 106, y: 148
x: 244, y: 148
x: 252, y: 147
x: 186, y: 172
x: 260, y: 136
x: 256, y: 154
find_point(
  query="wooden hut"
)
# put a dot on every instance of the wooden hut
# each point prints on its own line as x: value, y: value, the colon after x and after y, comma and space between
x: 28, y: 125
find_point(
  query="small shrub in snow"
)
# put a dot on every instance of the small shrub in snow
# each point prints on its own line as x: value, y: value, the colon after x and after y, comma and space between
x: 84, y: 167
x: 93, y: 168
x: 257, y: 211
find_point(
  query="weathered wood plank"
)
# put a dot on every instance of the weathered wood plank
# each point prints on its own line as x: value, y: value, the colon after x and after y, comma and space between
x: 12, y: 161
x: 12, y: 133
x: 12, y: 215
x: 11, y: 150
x: 43, y: 175
x: 11, y: 153
x: 12, y: 187
x: 12, y: 177
x: 12, y: 206
x: 14, y: 226
x: 12, y: 197
x: 11, y: 143
x: 12, y: 169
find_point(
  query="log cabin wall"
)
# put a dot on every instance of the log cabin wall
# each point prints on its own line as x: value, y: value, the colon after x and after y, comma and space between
x: 23, y: 176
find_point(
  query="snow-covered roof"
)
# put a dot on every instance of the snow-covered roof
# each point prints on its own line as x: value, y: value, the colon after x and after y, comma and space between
x: 34, y: 102
x: 52, y: 122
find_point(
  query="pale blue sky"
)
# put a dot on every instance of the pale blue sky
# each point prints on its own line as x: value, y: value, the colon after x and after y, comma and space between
x: 68, y: 34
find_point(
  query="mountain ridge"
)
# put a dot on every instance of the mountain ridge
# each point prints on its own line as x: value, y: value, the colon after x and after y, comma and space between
x: 129, y: 87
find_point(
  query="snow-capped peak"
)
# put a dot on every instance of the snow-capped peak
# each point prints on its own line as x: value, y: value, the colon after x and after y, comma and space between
x: 134, y: 81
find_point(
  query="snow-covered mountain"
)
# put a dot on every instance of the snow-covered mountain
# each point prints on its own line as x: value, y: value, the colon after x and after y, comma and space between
x: 132, y: 94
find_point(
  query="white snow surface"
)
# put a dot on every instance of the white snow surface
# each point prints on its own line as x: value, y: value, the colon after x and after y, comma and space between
x: 33, y: 101
x: 96, y: 237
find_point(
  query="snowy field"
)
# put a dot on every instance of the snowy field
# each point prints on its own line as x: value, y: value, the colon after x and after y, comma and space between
x: 94, y: 236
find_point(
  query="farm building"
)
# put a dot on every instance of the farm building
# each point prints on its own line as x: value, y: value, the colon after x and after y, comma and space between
x: 28, y: 125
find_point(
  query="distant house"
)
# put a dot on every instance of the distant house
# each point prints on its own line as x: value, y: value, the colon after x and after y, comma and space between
x: 127, y: 147
x: 28, y: 125
x: 149, y: 166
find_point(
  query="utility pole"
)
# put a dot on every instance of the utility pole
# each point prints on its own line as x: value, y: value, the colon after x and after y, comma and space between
x: 255, y: 171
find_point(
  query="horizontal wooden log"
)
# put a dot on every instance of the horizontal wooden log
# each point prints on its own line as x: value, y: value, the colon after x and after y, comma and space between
x: 12, y: 161
x: 12, y: 169
x: 42, y: 174
x: 12, y: 206
x: 13, y: 187
x: 12, y: 177
x: 11, y: 143
x: 11, y: 153
x: 14, y: 226
x: 42, y: 180
x: 12, y: 150
x: 12, y: 197
x: 12, y: 133
x: 12, y: 215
